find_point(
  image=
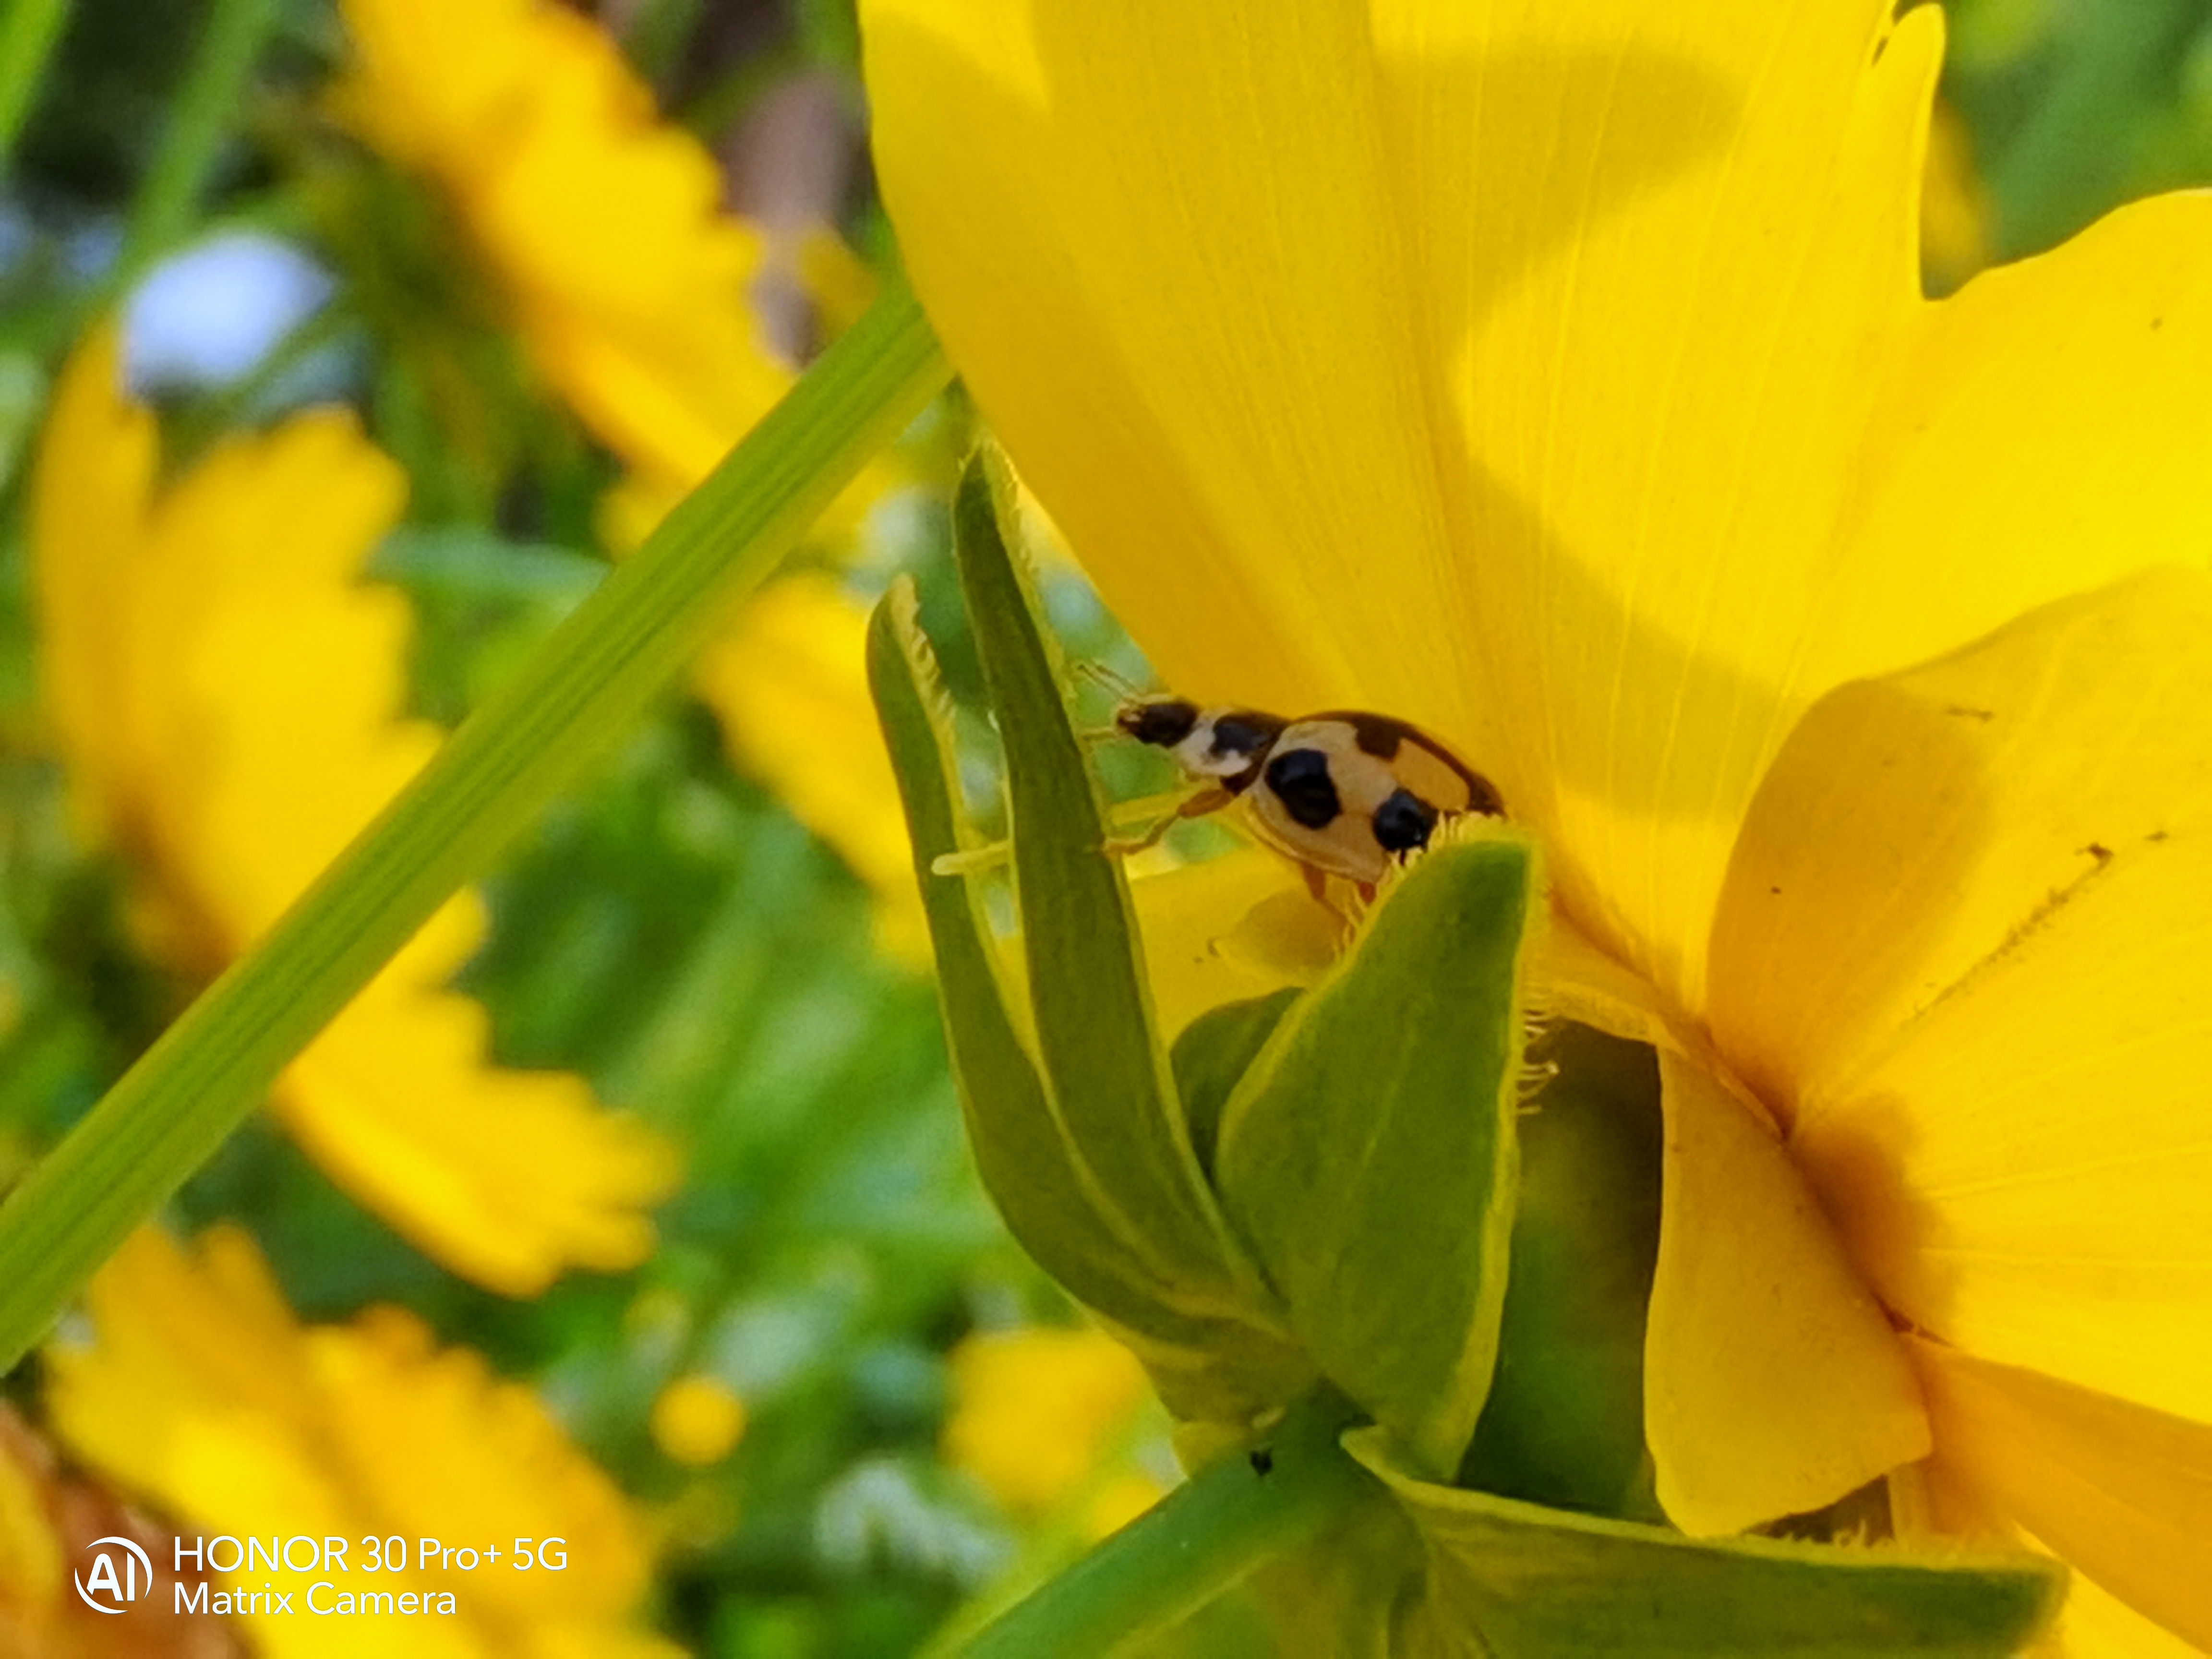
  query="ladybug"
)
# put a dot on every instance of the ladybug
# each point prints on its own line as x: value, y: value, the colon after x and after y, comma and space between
x: 1343, y: 793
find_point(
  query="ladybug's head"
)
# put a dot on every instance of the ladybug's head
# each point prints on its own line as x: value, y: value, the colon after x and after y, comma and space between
x: 1163, y: 722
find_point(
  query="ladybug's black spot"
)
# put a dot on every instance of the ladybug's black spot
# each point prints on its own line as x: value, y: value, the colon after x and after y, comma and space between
x: 1378, y: 734
x: 1403, y: 822
x: 1262, y: 1460
x: 1302, y: 782
x: 1244, y: 732
x: 1163, y: 722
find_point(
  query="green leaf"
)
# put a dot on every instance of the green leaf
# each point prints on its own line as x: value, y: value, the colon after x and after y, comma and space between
x: 582, y: 690
x: 1212, y: 1370
x: 1564, y: 1425
x: 1369, y: 1154
x: 1108, y: 1080
x: 1520, y: 1582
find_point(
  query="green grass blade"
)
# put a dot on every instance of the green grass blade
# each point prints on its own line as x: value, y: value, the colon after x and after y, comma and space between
x: 173, y: 1108
x: 29, y: 31
x: 208, y: 105
x: 1205, y: 1536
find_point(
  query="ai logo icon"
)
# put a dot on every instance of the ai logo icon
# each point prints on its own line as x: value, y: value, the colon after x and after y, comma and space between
x: 105, y: 1589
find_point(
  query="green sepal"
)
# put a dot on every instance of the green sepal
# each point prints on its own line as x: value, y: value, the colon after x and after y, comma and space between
x: 1213, y: 1052
x: 1219, y: 1369
x: 1106, y: 1071
x: 1368, y: 1156
x: 1517, y: 1581
x: 1564, y: 1425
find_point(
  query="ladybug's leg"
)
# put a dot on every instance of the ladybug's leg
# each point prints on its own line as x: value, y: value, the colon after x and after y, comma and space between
x: 1212, y: 798
x: 1317, y: 881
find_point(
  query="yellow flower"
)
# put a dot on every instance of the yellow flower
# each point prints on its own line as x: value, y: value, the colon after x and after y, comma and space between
x: 628, y: 289
x: 200, y: 1389
x: 1557, y: 375
x: 1035, y: 1412
x: 227, y: 694
x: 602, y: 226
x: 697, y: 1419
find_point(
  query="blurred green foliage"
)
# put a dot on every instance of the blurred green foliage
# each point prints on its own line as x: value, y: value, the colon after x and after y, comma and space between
x: 671, y: 932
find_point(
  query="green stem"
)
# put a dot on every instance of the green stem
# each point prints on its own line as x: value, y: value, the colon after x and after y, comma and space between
x: 29, y: 31
x: 1197, y: 1542
x: 205, y: 109
x: 581, y: 690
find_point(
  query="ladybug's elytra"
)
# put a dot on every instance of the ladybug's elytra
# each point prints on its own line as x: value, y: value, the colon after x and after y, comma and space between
x: 1341, y: 794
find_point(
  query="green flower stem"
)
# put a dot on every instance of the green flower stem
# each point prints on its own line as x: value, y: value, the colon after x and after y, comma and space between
x: 1197, y: 1542
x: 624, y: 643
x: 29, y: 31
x: 206, y: 108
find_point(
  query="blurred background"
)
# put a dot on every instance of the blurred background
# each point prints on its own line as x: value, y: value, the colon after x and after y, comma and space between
x: 658, y: 1124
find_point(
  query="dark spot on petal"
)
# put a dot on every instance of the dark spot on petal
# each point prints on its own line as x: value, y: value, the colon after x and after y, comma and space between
x: 1403, y: 822
x: 1302, y: 782
x: 1262, y: 1460
x: 1968, y: 712
x: 1163, y: 722
x: 2099, y: 851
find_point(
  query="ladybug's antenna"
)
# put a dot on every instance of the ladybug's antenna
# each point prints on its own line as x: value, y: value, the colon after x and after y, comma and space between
x: 1116, y: 685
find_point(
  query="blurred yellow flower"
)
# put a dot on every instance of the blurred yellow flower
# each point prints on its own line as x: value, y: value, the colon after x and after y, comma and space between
x: 1036, y: 1416
x: 789, y: 678
x: 200, y: 1389
x: 697, y: 1420
x: 602, y: 226
x: 50, y: 1519
x: 1557, y: 375
x: 228, y: 697
x: 629, y: 287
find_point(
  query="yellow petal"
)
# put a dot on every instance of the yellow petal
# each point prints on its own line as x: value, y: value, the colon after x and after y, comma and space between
x: 1036, y: 1411
x: 1508, y: 367
x: 229, y: 697
x: 1161, y: 247
x: 508, y: 1176
x: 2093, y: 1624
x: 2123, y: 1493
x: 200, y: 1389
x: 697, y: 1420
x: 2025, y: 1176
x: 1773, y: 1383
x: 602, y: 225
x: 1955, y: 210
x: 1289, y: 329
x: 1968, y: 924
x: 1659, y: 249
x: 1225, y: 930
x: 1571, y: 978
x: 1915, y: 824
x: 88, y: 496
